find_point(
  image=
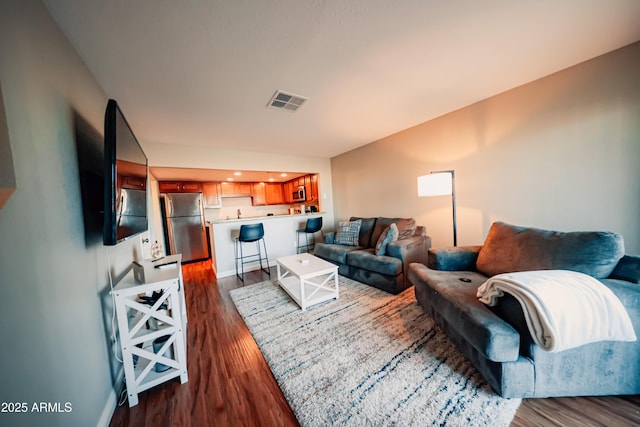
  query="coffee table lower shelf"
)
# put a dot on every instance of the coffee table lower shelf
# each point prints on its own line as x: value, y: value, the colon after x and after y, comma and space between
x: 292, y: 285
x: 308, y: 279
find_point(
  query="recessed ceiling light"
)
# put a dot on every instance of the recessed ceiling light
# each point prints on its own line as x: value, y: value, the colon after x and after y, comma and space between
x: 237, y: 173
x: 283, y: 174
x: 229, y: 179
x: 271, y: 179
x: 286, y: 101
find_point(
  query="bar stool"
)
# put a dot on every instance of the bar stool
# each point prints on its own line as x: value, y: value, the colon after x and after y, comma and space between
x: 250, y: 233
x: 312, y: 226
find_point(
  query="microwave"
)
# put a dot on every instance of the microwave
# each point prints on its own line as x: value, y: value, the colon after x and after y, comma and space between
x: 299, y: 194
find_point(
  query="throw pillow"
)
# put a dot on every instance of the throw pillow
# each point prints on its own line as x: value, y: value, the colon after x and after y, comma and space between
x: 406, y: 228
x: 390, y: 234
x: 348, y: 232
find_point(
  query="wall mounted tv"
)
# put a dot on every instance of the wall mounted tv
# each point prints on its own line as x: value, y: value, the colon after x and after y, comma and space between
x: 125, y: 179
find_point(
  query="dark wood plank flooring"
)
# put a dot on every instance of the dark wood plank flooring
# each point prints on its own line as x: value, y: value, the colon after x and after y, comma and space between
x: 230, y: 383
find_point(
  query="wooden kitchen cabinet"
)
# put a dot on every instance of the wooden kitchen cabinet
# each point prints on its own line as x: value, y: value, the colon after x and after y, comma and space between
x: 287, y: 188
x: 244, y: 189
x: 296, y: 182
x: 228, y: 189
x: 212, y: 194
x: 274, y: 193
x: 237, y: 189
x: 270, y: 193
x: 312, y: 189
x: 259, y: 194
x: 133, y: 182
x: 310, y: 183
x: 180, y: 187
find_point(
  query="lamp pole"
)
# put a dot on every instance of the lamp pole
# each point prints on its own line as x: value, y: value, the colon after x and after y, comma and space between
x: 435, y: 184
x: 453, y: 204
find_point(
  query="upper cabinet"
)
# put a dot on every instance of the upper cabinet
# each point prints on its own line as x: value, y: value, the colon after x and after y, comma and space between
x: 133, y: 182
x: 262, y: 193
x: 298, y: 182
x: 268, y: 193
x: 237, y: 189
x: 180, y: 187
x: 259, y: 194
x: 287, y: 188
x: 212, y: 194
x: 274, y: 193
x: 309, y: 182
x: 244, y: 189
x: 312, y: 189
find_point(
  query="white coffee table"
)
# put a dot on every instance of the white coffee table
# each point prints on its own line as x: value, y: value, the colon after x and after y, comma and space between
x: 308, y: 279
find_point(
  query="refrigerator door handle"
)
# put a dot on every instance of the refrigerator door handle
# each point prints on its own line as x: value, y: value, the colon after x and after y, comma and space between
x: 202, y: 217
x: 172, y: 243
x: 169, y: 206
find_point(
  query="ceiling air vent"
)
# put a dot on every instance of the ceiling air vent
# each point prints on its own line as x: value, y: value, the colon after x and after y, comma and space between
x: 286, y: 101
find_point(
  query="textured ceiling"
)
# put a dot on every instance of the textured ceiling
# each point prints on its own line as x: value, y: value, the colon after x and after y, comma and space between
x: 202, y: 72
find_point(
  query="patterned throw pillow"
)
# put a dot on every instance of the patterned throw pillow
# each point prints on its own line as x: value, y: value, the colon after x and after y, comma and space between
x: 390, y: 234
x: 406, y: 228
x: 348, y: 232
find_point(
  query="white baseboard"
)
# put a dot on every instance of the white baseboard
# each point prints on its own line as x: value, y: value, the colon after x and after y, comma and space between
x: 112, y: 402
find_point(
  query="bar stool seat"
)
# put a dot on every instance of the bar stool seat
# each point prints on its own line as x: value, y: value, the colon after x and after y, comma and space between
x: 312, y: 226
x: 251, y: 233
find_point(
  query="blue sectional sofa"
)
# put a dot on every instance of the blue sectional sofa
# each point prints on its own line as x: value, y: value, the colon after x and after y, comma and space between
x: 359, y: 261
x: 497, y: 340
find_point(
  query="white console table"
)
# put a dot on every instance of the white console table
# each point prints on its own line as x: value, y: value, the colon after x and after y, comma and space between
x: 134, y: 316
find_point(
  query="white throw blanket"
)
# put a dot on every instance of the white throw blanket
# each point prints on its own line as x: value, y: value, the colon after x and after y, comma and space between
x: 563, y: 309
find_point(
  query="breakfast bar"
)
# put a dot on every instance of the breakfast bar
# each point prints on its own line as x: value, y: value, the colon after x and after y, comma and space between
x: 279, y: 233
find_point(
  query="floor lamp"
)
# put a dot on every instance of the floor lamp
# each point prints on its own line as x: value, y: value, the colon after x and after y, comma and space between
x: 440, y: 183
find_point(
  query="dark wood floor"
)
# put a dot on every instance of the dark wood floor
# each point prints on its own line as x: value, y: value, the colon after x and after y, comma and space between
x: 230, y: 383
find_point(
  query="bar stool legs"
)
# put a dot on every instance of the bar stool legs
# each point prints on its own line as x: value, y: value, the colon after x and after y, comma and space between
x: 251, y: 233
x: 312, y: 226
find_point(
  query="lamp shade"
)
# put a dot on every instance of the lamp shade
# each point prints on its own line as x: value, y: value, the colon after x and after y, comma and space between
x: 435, y: 184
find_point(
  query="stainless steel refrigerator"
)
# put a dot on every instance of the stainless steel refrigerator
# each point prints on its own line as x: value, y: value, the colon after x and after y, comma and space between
x: 185, y: 226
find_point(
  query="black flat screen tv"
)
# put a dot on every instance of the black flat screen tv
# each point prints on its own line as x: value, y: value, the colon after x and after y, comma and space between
x: 125, y: 179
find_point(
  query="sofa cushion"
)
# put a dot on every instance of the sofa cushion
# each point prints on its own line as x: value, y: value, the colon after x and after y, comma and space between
x: 509, y: 248
x: 365, y: 230
x: 628, y: 269
x: 348, y: 233
x: 381, y: 224
x: 334, y: 253
x: 390, y: 234
x: 454, y: 258
x: 406, y: 227
x: 366, y: 259
x: 452, y: 294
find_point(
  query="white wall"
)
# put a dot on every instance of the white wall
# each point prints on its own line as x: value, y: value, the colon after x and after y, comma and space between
x: 560, y: 153
x: 54, y: 307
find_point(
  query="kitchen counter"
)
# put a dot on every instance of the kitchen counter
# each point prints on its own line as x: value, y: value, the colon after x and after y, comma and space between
x: 254, y: 218
x: 280, y: 235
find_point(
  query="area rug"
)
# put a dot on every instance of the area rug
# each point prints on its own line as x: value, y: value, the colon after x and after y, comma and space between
x: 367, y: 359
